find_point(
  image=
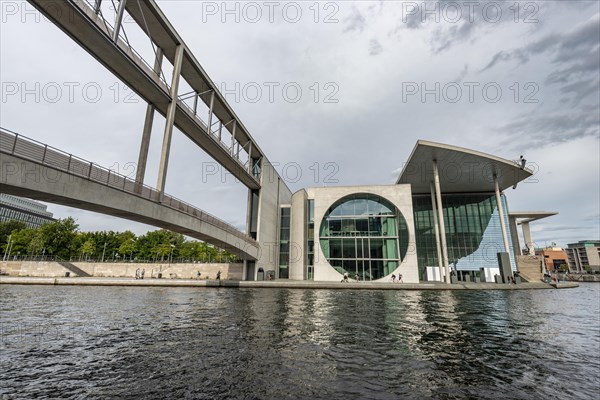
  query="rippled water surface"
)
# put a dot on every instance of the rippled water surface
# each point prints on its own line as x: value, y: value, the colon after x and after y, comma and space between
x: 126, y: 342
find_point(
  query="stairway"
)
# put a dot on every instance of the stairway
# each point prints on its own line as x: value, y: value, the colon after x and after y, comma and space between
x: 73, y: 269
x: 530, y: 268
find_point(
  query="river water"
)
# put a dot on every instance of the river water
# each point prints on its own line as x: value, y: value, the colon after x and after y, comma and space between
x: 128, y: 342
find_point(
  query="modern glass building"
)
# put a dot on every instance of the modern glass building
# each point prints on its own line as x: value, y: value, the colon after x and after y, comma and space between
x: 446, y: 215
x: 31, y: 212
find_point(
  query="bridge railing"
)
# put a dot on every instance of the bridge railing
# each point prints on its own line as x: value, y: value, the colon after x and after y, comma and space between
x: 30, y: 149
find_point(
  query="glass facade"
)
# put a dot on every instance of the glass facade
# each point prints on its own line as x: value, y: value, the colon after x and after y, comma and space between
x: 31, y: 212
x: 364, y: 235
x: 310, y: 241
x: 473, y: 232
x: 284, y: 243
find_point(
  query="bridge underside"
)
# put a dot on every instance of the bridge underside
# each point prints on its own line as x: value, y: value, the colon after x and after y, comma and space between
x: 22, y: 177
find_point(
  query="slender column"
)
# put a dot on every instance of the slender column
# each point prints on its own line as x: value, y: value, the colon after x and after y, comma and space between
x: 210, y: 112
x: 527, y: 238
x: 145, y: 145
x: 97, y: 6
x: 438, y: 194
x: 501, y: 212
x: 220, y: 129
x: 250, y: 158
x: 233, y: 137
x: 166, y: 146
x: 196, y: 103
x: 437, y: 230
x: 118, y: 20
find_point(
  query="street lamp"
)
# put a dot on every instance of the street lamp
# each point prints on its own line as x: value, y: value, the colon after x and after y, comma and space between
x: 171, y: 255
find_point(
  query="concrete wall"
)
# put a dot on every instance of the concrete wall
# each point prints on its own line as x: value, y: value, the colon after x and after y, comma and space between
x: 33, y: 268
x: 399, y: 195
x: 273, y: 193
x: 175, y: 271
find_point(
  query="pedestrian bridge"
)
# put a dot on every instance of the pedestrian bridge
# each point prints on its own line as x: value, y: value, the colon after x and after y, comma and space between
x: 38, y: 171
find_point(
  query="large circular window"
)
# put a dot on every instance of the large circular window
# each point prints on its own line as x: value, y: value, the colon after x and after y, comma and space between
x: 364, y: 235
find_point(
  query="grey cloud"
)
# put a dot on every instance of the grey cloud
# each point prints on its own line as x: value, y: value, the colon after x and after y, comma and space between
x: 543, y: 130
x: 576, y: 54
x: 462, y: 74
x: 355, y: 22
x: 375, y: 47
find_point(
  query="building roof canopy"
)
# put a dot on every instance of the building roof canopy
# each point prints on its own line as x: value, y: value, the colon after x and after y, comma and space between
x: 461, y: 170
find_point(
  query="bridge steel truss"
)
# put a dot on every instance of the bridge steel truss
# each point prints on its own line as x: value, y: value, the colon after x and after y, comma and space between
x: 222, y: 135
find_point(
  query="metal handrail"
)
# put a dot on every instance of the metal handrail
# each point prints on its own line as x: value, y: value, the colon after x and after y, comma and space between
x: 31, y: 149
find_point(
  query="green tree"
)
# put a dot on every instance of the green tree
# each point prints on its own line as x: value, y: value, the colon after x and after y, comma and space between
x: 127, y: 244
x: 59, y: 237
x: 8, y: 227
x: 21, y: 241
x: 88, y: 248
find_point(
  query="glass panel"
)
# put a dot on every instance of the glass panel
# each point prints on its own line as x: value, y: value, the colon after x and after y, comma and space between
x: 362, y: 226
x: 376, y: 246
x: 349, y: 248
x: 335, y: 249
x: 348, y: 227
x: 388, y: 226
x: 325, y: 248
x: 360, y: 207
x: 348, y: 208
x: 335, y: 227
x: 390, y: 248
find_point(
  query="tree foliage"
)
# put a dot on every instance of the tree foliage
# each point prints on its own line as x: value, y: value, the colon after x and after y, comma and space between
x: 62, y: 238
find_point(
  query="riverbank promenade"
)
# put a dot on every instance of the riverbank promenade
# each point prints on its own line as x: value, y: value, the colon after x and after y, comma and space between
x: 286, y: 284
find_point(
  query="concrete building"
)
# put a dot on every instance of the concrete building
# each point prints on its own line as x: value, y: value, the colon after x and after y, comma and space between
x: 31, y: 212
x: 446, y: 215
x: 553, y: 257
x: 583, y: 254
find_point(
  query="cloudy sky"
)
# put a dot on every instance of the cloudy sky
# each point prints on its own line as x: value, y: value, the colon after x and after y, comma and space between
x: 507, y: 78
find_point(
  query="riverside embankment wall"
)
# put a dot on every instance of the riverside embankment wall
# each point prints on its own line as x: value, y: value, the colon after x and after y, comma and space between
x: 122, y: 270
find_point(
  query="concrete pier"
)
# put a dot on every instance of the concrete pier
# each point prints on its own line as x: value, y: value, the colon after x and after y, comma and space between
x: 286, y: 284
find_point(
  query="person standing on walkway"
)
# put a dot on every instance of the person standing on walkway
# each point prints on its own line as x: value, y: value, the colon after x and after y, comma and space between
x: 142, y: 273
x: 219, y: 275
x: 137, y: 273
x: 400, y: 278
x: 345, y: 277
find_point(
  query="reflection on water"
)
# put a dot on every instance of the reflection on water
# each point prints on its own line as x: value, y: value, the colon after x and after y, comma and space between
x: 279, y: 343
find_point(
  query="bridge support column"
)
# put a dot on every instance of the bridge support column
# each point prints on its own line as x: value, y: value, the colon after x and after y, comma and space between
x: 210, y: 112
x: 233, y: 137
x: 166, y: 146
x: 145, y: 145
x: 119, y: 20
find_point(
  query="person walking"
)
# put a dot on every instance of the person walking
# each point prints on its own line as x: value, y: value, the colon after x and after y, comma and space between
x: 345, y: 277
x: 198, y: 275
x: 219, y: 275
x: 400, y: 278
x: 393, y: 278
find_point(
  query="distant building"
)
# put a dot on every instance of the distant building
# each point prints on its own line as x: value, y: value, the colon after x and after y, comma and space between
x: 554, y: 257
x: 31, y: 212
x: 582, y: 254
